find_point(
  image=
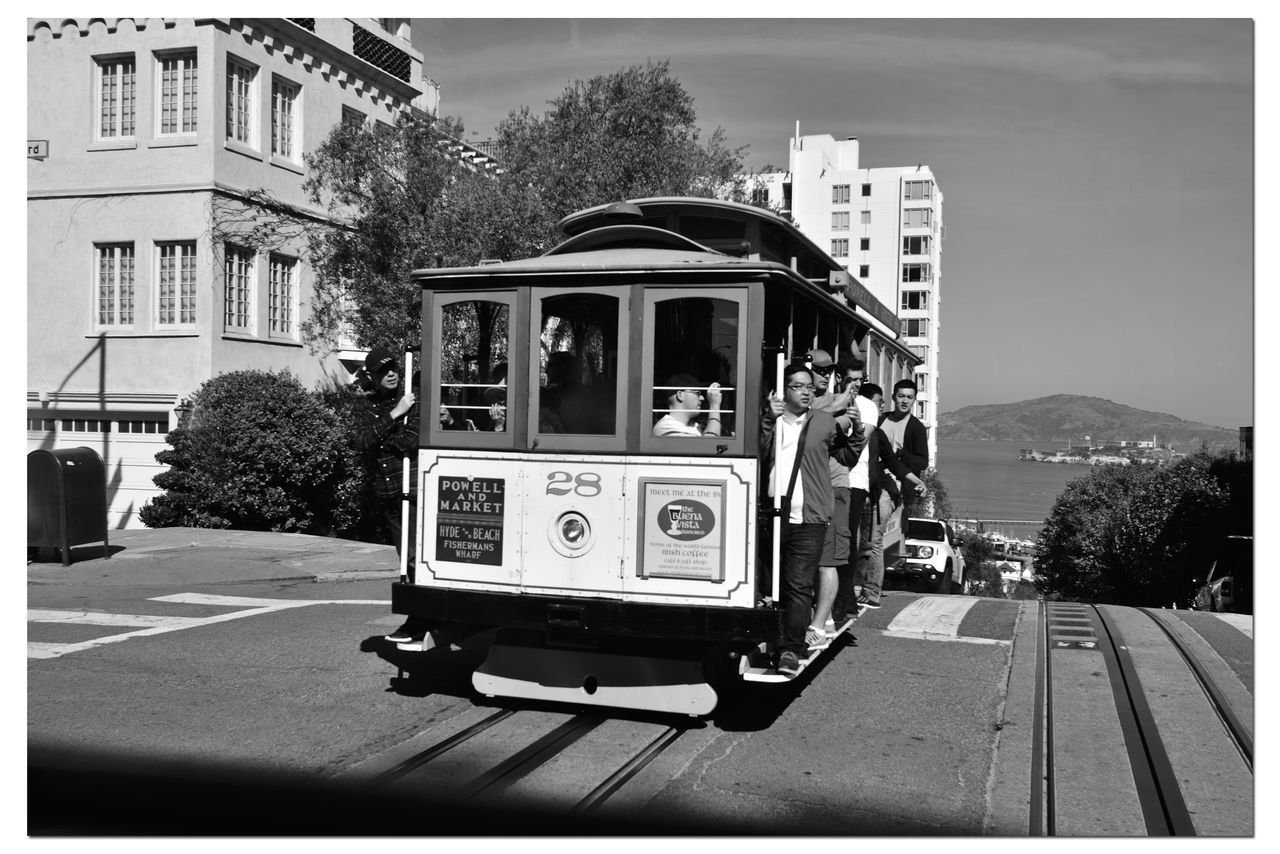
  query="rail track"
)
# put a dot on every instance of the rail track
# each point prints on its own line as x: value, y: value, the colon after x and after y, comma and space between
x: 1080, y: 748
x: 573, y: 762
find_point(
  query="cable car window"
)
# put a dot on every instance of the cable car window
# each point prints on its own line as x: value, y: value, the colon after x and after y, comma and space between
x: 578, y: 364
x: 474, y: 335
x: 695, y: 365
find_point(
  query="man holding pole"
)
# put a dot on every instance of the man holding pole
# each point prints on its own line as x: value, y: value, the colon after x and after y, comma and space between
x: 388, y: 437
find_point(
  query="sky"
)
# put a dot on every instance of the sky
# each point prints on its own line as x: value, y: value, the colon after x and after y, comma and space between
x: 1098, y: 174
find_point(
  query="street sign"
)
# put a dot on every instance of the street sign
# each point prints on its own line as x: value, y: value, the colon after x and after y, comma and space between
x: 37, y: 149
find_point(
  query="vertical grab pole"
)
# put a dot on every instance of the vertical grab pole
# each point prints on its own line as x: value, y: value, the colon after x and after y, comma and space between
x: 777, y: 491
x: 404, y: 485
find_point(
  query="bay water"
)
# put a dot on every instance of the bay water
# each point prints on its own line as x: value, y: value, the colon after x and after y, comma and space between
x: 986, y: 481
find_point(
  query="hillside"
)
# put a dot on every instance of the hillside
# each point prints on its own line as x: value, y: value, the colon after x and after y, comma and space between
x: 1062, y: 417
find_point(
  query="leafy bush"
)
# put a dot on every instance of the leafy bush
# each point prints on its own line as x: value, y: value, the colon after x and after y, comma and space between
x: 258, y: 453
x: 1134, y: 535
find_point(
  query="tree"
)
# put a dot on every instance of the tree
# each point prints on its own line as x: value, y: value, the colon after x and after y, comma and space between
x: 629, y: 134
x: 1133, y: 535
x: 404, y: 203
x: 937, y: 502
x: 257, y: 453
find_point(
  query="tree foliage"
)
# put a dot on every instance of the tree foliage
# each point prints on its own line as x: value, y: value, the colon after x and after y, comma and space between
x: 405, y: 203
x: 1134, y: 535
x: 257, y: 453
x: 629, y: 134
x: 937, y: 502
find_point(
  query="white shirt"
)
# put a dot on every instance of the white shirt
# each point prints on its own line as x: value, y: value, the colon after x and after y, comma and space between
x: 859, y: 475
x: 668, y: 426
x: 786, y: 442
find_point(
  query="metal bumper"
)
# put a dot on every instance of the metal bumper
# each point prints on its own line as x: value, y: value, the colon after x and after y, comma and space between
x: 597, y: 617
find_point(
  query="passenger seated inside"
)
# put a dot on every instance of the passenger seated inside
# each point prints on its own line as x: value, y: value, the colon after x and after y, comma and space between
x: 684, y: 400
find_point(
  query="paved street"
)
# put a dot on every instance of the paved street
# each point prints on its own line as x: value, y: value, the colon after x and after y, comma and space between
x: 262, y: 654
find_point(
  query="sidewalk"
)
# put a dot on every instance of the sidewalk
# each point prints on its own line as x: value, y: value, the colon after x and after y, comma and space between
x: 208, y: 556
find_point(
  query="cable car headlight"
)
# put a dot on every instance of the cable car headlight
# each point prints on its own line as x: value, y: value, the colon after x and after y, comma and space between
x: 571, y: 534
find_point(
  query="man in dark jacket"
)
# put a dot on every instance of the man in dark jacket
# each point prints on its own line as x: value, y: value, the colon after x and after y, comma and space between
x: 909, y: 439
x: 388, y: 433
x: 884, y: 472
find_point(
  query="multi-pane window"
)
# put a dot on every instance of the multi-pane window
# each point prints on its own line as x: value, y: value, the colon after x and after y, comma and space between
x: 285, y: 127
x: 921, y: 409
x: 916, y: 190
x: 864, y: 244
x: 916, y: 245
x: 866, y: 189
x: 241, y: 82
x: 922, y: 381
x: 839, y: 194
x: 915, y: 299
x: 115, y: 285
x: 915, y: 327
x: 760, y: 195
x: 840, y: 247
x: 117, y: 91
x: 916, y: 273
x: 920, y: 352
x: 284, y: 288
x: 352, y: 116
x: 238, y: 296
x: 866, y: 217
x: 178, y: 95
x: 840, y: 221
x: 176, y: 284
x: 864, y: 270
x: 917, y: 218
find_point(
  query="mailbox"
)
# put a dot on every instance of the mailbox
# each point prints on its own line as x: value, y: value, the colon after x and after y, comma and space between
x: 66, y: 500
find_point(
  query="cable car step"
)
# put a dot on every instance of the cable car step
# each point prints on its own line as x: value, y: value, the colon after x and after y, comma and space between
x: 767, y: 673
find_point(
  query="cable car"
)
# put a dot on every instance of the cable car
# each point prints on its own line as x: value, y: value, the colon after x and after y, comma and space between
x: 625, y: 563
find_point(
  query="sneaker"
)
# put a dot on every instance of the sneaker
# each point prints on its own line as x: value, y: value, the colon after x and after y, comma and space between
x: 816, y: 638
x: 413, y: 630
x: 789, y: 664
x: 865, y: 601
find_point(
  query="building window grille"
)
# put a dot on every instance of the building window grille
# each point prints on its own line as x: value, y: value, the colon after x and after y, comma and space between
x: 115, y: 285
x: 176, y: 285
x: 117, y: 92
x: 380, y: 53
x: 840, y: 194
x: 238, y: 297
x: 283, y: 281
x: 840, y: 247
x: 308, y: 24
x: 284, y: 120
x: 178, y: 94
x: 241, y: 80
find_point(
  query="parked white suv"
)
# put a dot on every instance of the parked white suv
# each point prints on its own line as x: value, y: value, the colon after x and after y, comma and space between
x: 932, y: 559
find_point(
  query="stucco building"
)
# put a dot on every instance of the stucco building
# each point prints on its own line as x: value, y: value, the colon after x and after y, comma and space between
x: 883, y: 225
x: 145, y: 136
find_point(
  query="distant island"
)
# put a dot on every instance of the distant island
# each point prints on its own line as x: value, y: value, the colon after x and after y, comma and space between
x: 1068, y: 418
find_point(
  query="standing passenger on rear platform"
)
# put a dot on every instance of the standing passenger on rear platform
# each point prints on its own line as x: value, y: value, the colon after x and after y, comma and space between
x: 797, y: 441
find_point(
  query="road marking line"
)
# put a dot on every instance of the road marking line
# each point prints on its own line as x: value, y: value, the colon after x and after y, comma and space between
x: 1243, y: 622
x: 97, y: 618
x: 936, y: 618
x: 155, y: 625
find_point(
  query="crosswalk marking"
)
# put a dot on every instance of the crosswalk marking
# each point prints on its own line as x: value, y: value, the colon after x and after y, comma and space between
x: 935, y: 618
x: 156, y: 625
x: 1243, y: 622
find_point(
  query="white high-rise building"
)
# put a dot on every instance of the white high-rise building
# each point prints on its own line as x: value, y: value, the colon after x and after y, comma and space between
x: 884, y: 225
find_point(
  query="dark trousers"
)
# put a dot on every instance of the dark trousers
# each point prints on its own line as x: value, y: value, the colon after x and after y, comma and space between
x: 800, y: 552
x: 845, y: 598
x: 391, y: 510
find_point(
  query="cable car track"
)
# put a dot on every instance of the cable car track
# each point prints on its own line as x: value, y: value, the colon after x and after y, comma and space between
x: 415, y: 771
x: 1069, y: 628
